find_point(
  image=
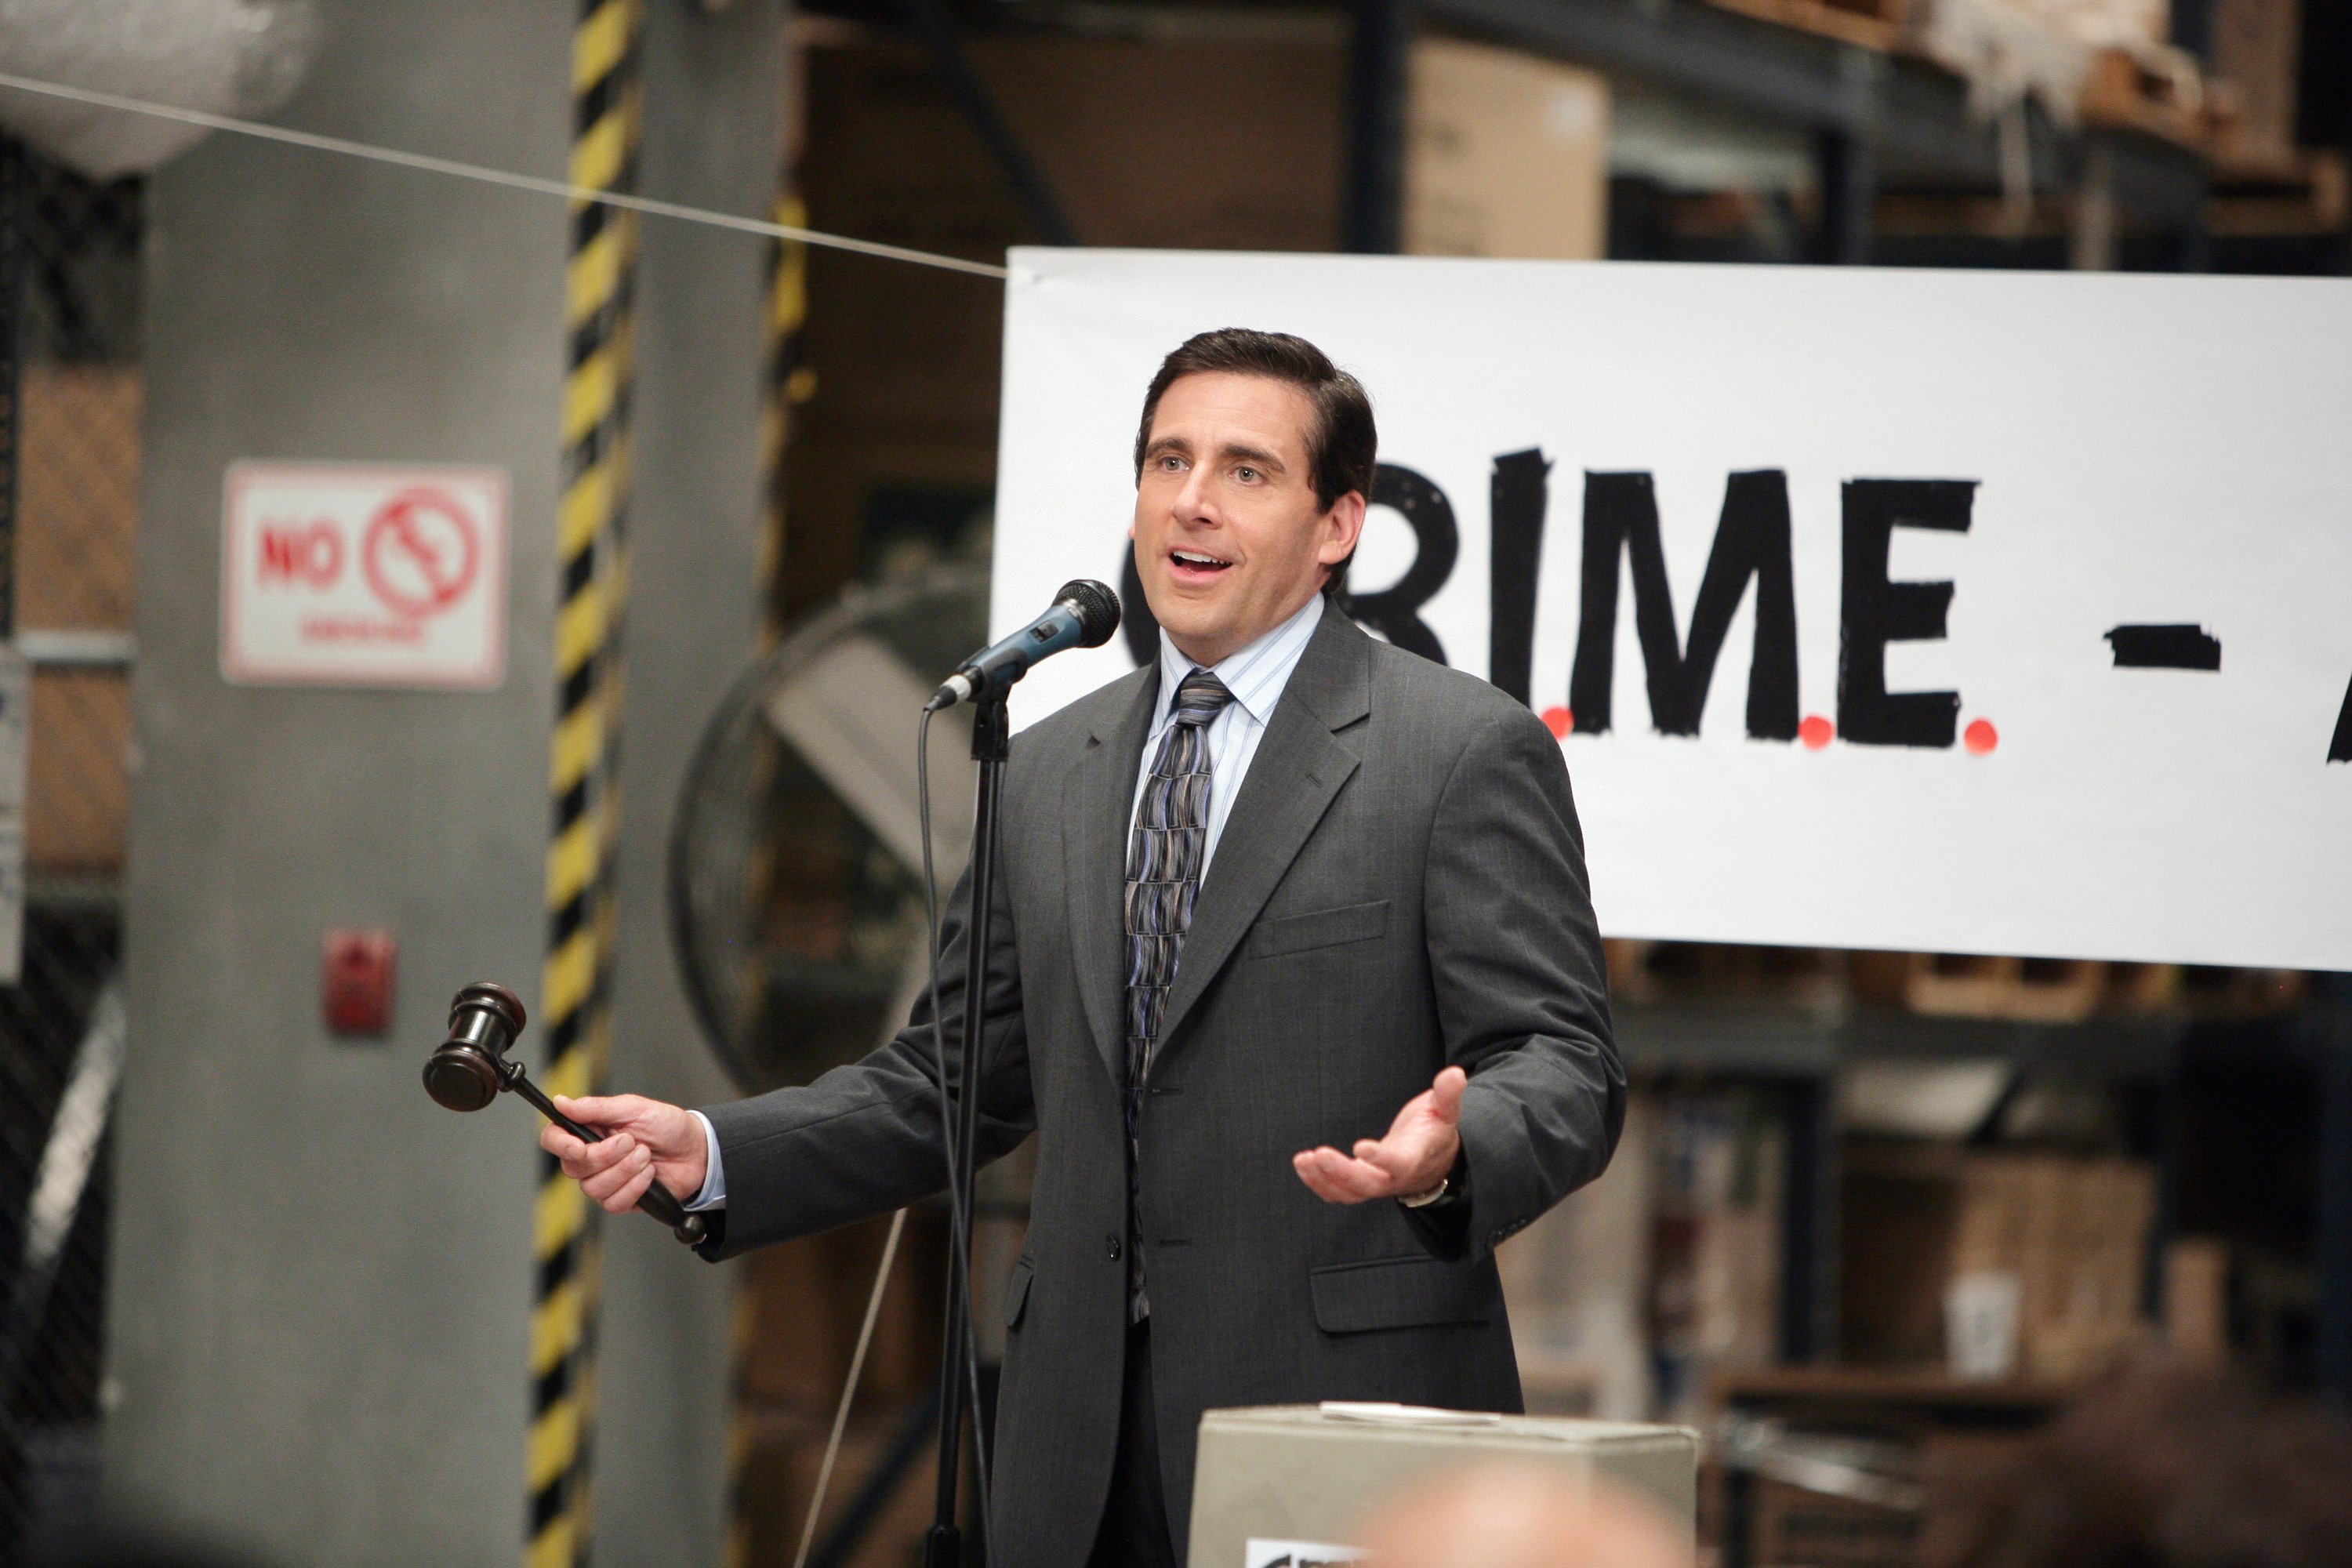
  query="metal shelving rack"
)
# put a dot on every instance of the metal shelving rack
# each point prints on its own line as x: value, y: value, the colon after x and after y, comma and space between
x: 1798, y: 1051
x: 1874, y: 116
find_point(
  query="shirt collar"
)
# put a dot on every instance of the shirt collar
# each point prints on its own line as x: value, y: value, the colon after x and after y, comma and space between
x: 1255, y: 675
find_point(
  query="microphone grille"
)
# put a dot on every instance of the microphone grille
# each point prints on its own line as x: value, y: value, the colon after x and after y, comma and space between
x: 1098, y: 609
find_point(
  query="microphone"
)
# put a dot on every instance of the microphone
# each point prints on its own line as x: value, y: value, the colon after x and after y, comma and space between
x: 1084, y: 614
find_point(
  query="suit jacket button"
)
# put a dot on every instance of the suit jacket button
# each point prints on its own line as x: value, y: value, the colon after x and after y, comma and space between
x: 1111, y: 1245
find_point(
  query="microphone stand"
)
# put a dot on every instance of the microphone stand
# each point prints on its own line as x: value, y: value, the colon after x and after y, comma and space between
x: 991, y: 743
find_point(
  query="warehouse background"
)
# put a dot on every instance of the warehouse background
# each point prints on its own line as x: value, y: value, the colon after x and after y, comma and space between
x: 1907, y: 1204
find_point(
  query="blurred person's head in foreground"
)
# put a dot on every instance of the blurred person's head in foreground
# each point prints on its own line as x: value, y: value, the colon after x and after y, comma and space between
x: 2160, y: 1468
x: 1508, y: 1515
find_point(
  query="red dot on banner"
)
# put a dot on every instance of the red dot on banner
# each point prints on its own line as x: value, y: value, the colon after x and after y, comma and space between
x: 1980, y: 737
x: 1560, y: 722
x: 1816, y: 732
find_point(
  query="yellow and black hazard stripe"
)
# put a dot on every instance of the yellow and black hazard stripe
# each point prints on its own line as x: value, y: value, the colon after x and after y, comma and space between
x: 789, y: 381
x: 575, y: 987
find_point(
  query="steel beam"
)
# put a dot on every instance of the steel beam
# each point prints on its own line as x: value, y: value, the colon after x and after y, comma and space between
x: 1849, y: 184
x: 1378, y: 54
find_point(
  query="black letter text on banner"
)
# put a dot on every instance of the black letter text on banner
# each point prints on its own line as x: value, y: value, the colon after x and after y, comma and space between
x: 1620, y: 517
x: 1516, y: 497
x: 1874, y: 611
x: 1395, y: 612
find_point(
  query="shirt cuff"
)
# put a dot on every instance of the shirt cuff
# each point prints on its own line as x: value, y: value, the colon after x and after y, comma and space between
x: 713, y: 1194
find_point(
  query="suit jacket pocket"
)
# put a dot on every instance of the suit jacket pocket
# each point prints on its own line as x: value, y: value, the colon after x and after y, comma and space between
x: 1322, y: 928
x: 1395, y: 1293
x: 1017, y: 1292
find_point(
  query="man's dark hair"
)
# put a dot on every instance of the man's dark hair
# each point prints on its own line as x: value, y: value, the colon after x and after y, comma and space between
x: 1342, y: 445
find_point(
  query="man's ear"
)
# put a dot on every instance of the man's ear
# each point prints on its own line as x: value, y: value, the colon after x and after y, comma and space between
x: 1344, y: 525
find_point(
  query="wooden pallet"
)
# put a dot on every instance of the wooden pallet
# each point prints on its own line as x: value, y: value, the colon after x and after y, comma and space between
x: 2240, y: 992
x: 2064, y: 991
x: 2123, y: 92
x: 1640, y: 971
x: 2263, y: 191
x: 1939, y: 215
x: 1869, y: 24
x: 2046, y: 991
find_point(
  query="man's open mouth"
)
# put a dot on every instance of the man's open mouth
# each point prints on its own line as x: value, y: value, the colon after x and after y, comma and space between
x: 1193, y: 561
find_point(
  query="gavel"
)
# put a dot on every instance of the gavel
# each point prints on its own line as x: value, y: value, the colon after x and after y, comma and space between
x: 469, y: 1069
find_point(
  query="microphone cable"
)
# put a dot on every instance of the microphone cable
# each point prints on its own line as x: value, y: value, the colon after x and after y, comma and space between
x: 959, y: 1264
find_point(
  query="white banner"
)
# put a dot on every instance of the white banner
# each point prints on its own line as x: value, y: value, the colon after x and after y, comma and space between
x: 1974, y: 612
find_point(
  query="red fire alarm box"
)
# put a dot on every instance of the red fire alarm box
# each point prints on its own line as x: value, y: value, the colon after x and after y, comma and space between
x: 357, y: 970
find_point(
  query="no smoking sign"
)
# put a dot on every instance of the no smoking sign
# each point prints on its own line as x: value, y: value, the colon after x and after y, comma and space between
x: 364, y: 575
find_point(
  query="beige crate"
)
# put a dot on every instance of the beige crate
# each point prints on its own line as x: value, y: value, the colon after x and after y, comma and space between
x: 1288, y: 1472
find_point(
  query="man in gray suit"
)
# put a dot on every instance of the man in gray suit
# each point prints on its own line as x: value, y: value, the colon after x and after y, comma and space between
x: 1256, y: 896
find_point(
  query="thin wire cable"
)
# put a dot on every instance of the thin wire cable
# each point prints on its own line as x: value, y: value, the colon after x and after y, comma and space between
x: 491, y: 176
x: 960, y: 1266
x: 849, y: 1389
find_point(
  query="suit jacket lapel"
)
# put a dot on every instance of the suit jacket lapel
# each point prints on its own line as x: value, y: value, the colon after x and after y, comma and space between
x: 1298, y: 769
x: 1099, y: 802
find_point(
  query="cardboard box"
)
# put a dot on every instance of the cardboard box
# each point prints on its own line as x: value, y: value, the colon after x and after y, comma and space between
x: 1290, y: 1473
x: 2258, y: 49
x: 2197, y: 1301
x: 1506, y: 154
x: 78, y: 496
x: 2072, y: 1229
x: 76, y: 791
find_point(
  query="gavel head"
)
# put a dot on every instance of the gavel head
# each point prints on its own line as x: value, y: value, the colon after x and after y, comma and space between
x: 469, y: 1067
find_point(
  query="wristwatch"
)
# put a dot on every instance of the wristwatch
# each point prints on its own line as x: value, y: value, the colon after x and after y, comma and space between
x: 1444, y: 1192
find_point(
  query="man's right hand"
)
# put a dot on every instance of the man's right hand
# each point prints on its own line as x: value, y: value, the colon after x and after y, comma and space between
x: 643, y: 1138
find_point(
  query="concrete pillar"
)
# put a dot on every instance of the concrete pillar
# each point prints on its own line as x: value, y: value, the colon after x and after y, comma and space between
x: 714, y: 87
x: 321, y: 1288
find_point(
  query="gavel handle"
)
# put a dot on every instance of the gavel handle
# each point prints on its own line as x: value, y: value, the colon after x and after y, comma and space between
x: 658, y: 1201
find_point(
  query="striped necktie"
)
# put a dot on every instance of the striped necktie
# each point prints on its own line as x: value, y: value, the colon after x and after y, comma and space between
x: 1163, y: 877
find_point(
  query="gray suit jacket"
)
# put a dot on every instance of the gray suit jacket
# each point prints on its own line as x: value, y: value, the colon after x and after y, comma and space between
x: 1400, y: 885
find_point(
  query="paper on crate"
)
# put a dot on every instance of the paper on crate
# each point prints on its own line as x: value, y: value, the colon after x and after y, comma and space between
x: 1403, y: 1414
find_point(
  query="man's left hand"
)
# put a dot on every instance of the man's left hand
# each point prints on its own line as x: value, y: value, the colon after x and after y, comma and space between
x: 1415, y: 1157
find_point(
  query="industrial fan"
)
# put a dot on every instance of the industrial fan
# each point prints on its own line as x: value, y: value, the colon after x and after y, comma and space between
x: 795, y: 855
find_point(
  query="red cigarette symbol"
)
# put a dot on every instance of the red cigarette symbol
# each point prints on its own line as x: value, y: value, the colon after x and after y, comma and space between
x: 421, y: 552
